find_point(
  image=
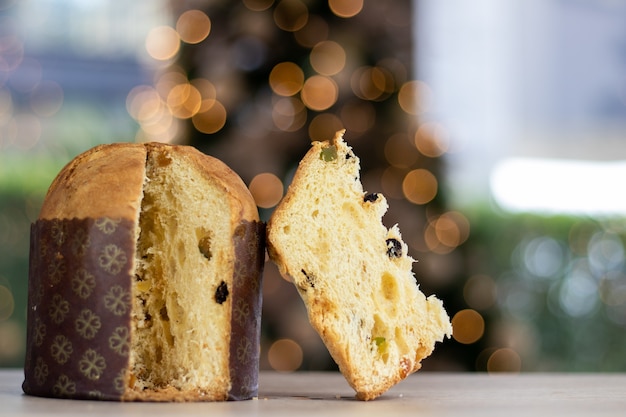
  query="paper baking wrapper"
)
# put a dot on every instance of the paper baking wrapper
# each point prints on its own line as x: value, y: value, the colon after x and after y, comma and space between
x: 79, y: 308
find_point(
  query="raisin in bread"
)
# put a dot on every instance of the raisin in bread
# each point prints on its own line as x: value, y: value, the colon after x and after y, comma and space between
x: 353, y: 274
x: 144, y: 281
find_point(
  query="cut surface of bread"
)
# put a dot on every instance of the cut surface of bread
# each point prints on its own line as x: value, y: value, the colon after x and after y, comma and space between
x: 353, y: 274
x: 157, y: 252
x: 183, y: 278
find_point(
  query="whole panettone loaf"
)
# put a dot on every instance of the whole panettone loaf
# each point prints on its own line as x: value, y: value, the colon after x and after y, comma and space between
x: 144, y: 284
x: 353, y: 273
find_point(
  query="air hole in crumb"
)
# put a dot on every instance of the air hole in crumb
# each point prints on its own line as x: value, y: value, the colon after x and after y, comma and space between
x: 163, y: 314
x: 221, y: 293
x: 315, y: 213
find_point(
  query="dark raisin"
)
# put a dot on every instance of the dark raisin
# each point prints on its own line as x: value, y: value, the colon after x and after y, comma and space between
x: 394, y: 248
x: 371, y: 197
x: 204, y: 245
x: 221, y: 293
x: 309, y: 278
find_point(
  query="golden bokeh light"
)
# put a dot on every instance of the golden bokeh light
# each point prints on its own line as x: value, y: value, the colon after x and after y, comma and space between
x: 162, y: 43
x: 446, y: 232
x: 504, y: 360
x: 143, y: 103
x: 258, y: 5
x: 345, y: 8
x: 391, y: 182
x: 211, y: 120
x: 193, y: 26
x: 452, y: 228
x: 184, y: 101
x: 468, y: 326
x: 289, y: 114
x: 400, y: 152
x: 419, y: 186
x: 168, y: 80
x: 267, y: 189
x: 291, y: 15
x: 206, y: 88
x: 432, y: 139
x: 315, y: 31
x: 372, y: 83
x: 414, y: 97
x: 323, y: 126
x: 358, y: 116
x: 285, y: 355
x: 286, y: 79
x: 480, y: 291
x: 328, y: 58
x: 319, y: 92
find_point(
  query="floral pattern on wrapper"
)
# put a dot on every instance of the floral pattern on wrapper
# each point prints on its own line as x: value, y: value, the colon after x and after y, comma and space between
x: 248, y: 239
x: 79, y: 308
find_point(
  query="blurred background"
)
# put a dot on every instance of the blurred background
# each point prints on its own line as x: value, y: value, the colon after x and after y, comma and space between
x: 496, y: 129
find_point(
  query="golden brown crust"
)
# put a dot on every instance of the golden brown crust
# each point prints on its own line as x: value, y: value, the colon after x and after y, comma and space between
x: 120, y: 171
x: 108, y: 184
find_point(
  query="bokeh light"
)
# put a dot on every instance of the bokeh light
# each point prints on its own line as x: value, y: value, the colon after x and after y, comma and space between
x: 285, y: 355
x: 345, y: 8
x: 162, y: 43
x: 328, y: 58
x: 415, y: 97
x: 291, y: 15
x: 212, y: 119
x: 372, y: 83
x: 324, y: 126
x: 432, y: 139
x: 193, y: 26
x: 504, y: 360
x: 286, y: 79
x: 267, y: 189
x: 315, y: 31
x: 258, y: 5
x: 358, y: 116
x: 319, y: 92
x: 467, y: 326
x: 289, y: 114
x: 480, y: 292
x: 400, y: 152
x: 419, y: 186
x: 184, y: 101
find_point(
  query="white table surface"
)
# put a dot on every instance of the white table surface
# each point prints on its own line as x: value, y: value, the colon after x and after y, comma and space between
x: 422, y: 394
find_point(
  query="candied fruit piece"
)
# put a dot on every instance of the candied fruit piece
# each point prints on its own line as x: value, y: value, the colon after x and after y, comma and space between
x: 329, y: 153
